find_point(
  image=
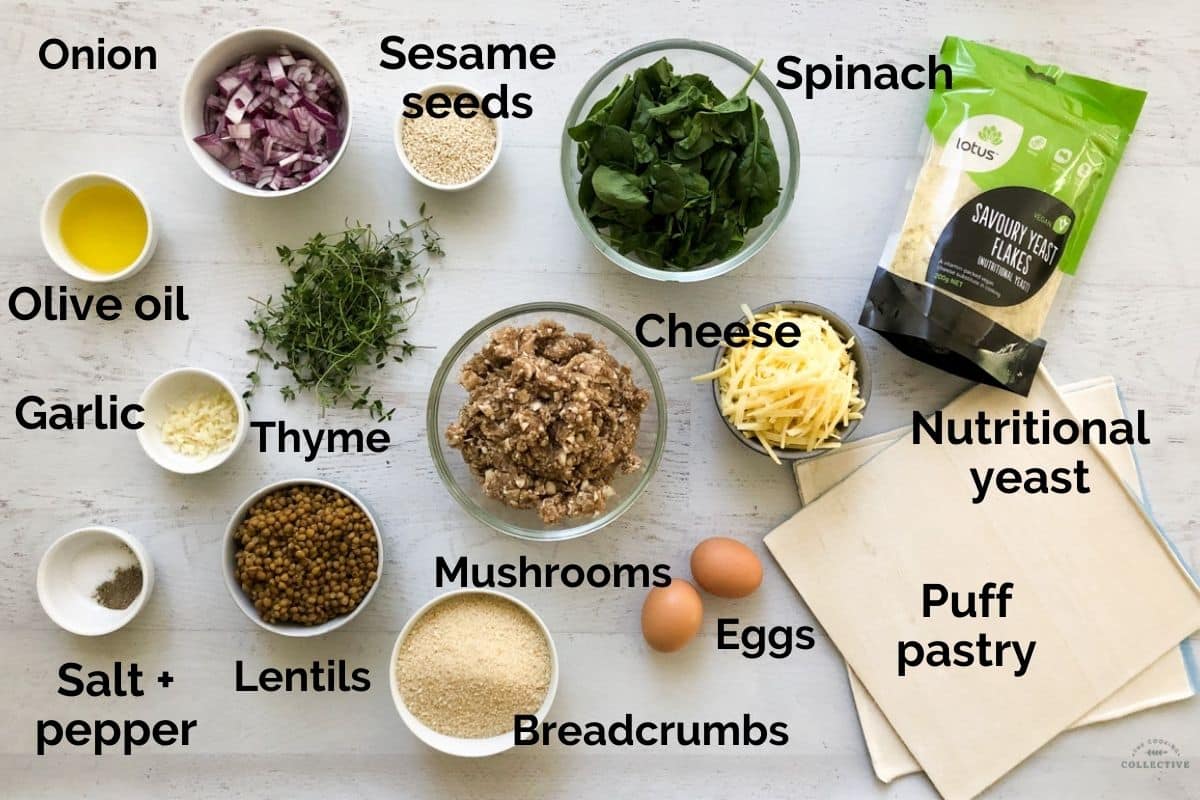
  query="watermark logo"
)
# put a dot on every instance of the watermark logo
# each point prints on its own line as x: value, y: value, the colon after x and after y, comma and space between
x: 1157, y: 754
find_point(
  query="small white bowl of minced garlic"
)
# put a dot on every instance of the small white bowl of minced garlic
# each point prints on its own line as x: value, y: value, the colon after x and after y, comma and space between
x: 192, y: 420
x: 447, y: 141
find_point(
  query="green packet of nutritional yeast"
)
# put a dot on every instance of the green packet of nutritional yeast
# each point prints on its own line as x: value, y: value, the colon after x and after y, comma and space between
x: 1018, y: 159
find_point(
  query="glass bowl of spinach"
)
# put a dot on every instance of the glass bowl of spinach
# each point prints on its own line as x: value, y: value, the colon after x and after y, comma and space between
x: 679, y: 160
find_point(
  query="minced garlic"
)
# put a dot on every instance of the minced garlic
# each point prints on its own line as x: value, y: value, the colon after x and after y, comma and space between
x: 206, y: 425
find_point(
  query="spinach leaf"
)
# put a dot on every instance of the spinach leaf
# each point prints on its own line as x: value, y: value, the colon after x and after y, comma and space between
x: 697, y: 142
x: 686, y: 99
x: 643, y: 151
x: 756, y: 182
x: 659, y: 74
x: 668, y: 188
x: 614, y: 146
x: 694, y: 183
x: 621, y: 109
x: 705, y: 86
x: 587, y: 195
x: 618, y: 188
x: 585, y: 130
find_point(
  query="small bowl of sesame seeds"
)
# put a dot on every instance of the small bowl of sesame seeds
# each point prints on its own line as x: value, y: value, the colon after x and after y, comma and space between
x: 448, y: 142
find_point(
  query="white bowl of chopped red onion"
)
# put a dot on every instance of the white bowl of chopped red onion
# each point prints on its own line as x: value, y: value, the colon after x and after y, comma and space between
x: 265, y: 112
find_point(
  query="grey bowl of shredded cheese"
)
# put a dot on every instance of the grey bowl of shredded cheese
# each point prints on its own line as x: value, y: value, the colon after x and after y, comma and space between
x: 192, y: 420
x: 798, y: 402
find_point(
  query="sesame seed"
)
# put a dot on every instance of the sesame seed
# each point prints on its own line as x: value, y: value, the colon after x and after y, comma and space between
x: 450, y: 150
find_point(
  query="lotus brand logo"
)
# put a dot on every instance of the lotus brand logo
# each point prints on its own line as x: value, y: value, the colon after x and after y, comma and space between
x: 991, y: 134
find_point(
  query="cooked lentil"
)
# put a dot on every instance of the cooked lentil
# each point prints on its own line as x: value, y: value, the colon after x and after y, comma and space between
x: 550, y: 420
x: 471, y: 663
x: 450, y: 150
x: 306, y: 554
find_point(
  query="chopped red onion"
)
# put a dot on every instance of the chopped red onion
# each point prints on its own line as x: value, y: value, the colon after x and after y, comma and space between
x: 258, y: 100
x: 247, y: 68
x: 301, y: 73
x: 275, y: 72
x: 227, y: 82
x: 320, y: 113
x: 273, y: 120
x: 238, y: 102
x: 251, y: 159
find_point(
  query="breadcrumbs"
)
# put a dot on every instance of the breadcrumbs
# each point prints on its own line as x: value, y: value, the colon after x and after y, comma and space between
x: 450, y: 150
x: 471, y: 663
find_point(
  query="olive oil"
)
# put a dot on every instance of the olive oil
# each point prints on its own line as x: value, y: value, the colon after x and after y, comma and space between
x: 104, y: 227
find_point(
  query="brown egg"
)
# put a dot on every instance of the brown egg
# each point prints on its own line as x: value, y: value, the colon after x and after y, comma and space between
x: 726, y: 567
x: 671, y: 615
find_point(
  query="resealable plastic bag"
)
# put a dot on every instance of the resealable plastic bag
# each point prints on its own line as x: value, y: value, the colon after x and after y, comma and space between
x: 1018, y: 157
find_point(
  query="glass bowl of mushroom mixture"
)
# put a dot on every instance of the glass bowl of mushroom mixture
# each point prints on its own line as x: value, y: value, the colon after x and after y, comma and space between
x: 546, y: 421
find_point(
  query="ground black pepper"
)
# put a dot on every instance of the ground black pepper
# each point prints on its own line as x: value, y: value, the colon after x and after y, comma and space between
x: 119, y: 591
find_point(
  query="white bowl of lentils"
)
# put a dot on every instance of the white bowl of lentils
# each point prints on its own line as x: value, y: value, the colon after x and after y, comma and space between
x: 316, y: 556
x: 449, y: 153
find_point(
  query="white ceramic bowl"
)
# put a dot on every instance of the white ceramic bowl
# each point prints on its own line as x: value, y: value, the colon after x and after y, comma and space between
x: 398, y: 135
x: 455, y: 745
x: 52, y: 239
x: 229, y: 561
x: 175, y: 388
x: 75, y: 565
x: 220, y: 56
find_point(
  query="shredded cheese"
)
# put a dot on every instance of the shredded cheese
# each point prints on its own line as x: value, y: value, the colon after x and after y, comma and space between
x: 206, y: 425
x: 790, y: 397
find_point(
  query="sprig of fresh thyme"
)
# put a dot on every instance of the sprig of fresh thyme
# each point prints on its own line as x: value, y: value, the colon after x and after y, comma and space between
x: 348, y: 306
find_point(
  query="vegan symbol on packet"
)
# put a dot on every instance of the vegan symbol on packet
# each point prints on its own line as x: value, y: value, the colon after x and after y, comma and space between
x: 967, y: 280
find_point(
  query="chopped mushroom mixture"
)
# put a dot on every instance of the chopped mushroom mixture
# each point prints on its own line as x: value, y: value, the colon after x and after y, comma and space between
x: 551, y: 418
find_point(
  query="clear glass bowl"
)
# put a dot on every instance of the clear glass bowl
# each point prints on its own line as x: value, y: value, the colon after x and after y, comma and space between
x: 447, y: 397
x: 728, y: 71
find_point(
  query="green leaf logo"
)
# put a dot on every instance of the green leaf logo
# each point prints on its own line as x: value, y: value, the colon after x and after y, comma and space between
x: 991, y: 134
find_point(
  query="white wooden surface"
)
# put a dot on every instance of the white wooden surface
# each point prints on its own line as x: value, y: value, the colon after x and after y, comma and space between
x: 1132, y: 313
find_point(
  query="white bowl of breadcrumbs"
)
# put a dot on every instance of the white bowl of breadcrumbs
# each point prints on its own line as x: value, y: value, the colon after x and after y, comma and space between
x: 466, y: 664
x: 452, y: 152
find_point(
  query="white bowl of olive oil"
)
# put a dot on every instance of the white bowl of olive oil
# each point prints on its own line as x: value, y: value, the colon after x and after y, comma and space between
x: 97, y: 228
